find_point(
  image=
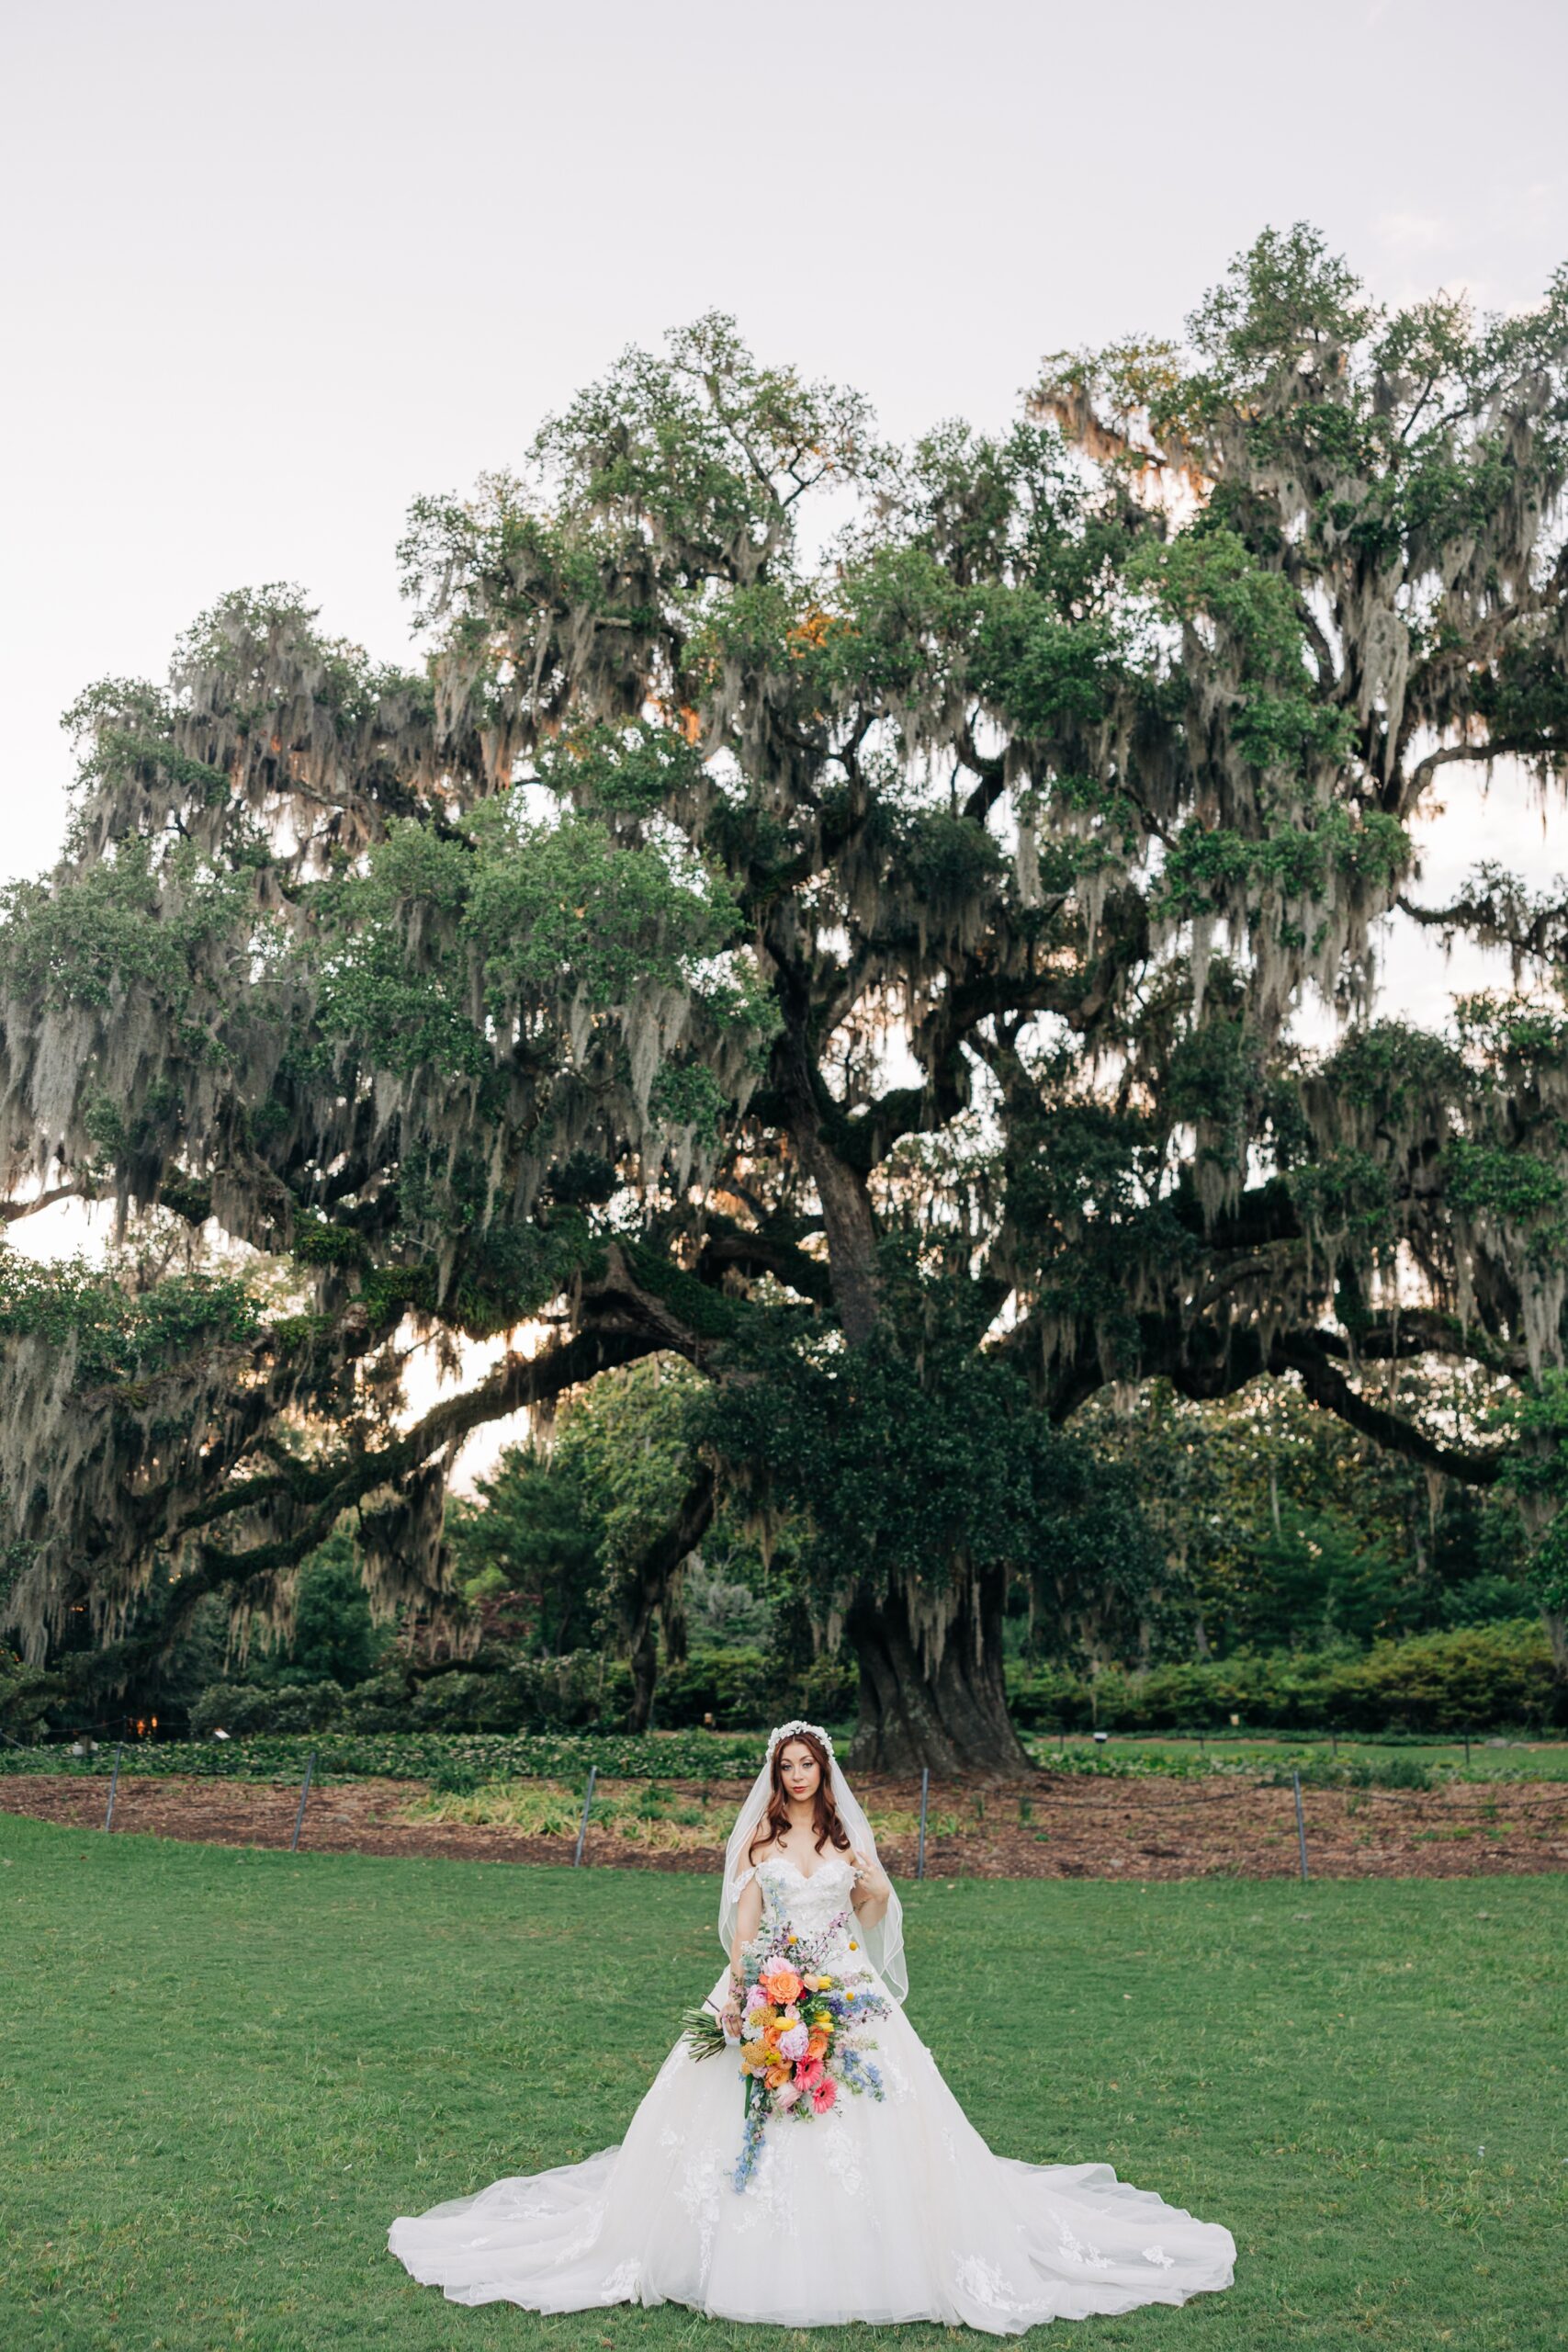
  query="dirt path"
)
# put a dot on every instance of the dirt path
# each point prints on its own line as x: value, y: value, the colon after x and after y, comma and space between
x: 1155, y: 1829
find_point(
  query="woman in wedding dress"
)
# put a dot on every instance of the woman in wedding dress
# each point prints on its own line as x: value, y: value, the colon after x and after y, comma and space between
x: 880, y: 2208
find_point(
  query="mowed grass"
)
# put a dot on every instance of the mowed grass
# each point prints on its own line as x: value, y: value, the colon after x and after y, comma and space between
x: 223, y: 2072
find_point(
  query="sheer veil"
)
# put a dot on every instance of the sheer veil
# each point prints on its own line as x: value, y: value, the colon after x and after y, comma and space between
x: 884, y: 1941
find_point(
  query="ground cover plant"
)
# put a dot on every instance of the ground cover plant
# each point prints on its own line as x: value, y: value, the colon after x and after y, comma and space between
x: 462, y: 1765
x: 227, y: 2070
x: 458, y: 1759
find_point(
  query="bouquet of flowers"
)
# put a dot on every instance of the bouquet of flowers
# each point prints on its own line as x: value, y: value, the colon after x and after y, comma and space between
x: 800, y: 2030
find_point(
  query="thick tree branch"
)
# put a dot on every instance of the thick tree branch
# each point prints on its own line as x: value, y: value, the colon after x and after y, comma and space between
x: 1210, y: 1362
x: 810, y: 1115
x: 1304, y: 1354
x: 319, y: 1493
x: 727, y: 1247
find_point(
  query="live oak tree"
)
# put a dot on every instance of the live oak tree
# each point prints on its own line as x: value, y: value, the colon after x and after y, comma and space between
x: 836, y: 915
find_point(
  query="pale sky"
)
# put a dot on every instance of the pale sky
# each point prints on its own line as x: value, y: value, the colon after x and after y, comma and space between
x: 270, y: 271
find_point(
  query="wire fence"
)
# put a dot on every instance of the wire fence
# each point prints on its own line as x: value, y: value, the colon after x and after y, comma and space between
x: 1063, y: 1811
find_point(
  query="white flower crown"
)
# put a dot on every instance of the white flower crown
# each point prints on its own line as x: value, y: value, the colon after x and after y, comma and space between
x: 788, y: 1731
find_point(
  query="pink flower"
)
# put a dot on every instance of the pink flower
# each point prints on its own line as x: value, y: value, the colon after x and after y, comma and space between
x: 809, y: 2072
x: 756, y: 1999
x: 793, y: 2045
x: 822, y: 2095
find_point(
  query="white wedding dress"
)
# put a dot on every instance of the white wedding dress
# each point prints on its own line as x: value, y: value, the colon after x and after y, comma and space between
x: 879, y: 2210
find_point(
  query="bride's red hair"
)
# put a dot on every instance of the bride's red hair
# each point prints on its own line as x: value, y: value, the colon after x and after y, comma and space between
x: 825, y: 1824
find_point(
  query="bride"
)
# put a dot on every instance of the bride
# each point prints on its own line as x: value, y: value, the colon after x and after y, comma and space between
x: 883, y: 2203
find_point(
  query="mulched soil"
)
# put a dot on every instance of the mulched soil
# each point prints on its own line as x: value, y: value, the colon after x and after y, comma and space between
x: 1154, y: 1829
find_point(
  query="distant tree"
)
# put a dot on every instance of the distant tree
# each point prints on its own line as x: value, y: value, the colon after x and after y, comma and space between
x: 727, y: 1602
x: 332, y: 1636
x: 868, y: 975
x: 579, y: 1534
x: 1280, y: 1524
x: 525, y: 1552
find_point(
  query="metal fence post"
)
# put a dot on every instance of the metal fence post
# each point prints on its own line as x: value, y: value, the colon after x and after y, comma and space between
x: 299, y: 1816
x: 925, y: 1793
x: 582, y: 1825
x: 114, y: 1783
x: 1301, y: 1822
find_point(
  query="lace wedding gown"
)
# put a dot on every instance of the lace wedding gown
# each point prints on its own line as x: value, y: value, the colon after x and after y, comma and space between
x: 879, y: 2210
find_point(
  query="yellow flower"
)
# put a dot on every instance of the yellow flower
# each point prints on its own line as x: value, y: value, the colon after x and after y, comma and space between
x: 853, y: 1946
x: 823, y: 1984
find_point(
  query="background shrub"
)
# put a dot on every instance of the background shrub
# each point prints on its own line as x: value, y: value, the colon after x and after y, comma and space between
x: 1476, y: 1677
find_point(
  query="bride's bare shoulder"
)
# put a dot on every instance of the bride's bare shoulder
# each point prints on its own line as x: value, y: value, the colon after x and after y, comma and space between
x: 758, y: 1845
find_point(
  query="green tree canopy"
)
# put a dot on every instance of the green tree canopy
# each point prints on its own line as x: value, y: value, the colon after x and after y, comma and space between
x: 855, y: 954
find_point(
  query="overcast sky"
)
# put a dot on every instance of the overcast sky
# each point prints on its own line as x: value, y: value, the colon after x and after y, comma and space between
x: 270, y: 271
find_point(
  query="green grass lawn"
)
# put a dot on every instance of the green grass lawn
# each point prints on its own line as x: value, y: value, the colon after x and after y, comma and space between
x: 223, y: 2072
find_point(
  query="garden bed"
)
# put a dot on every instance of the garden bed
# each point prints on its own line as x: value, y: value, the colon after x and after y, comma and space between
x: 1064, y: 1827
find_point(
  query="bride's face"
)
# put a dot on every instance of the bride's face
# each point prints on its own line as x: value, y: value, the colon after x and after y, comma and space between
x: 799, y: 1771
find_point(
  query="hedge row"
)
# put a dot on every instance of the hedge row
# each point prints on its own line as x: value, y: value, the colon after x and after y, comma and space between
x: 1482, y: 1678
x: 733, y: 1689
x: 1478, y: 1678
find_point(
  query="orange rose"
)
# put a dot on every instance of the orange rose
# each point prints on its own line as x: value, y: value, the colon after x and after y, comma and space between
x: 782, y: 1983
x: 817, y: 2045
x: 777, y: 2077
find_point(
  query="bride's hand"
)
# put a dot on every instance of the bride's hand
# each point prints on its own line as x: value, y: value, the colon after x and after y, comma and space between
x: 869, y: 1872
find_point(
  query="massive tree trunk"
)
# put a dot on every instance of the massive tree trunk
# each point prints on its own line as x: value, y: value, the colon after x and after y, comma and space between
x: 1557, y: 1634
x: 924, y: 1703
x: 939, y: 1700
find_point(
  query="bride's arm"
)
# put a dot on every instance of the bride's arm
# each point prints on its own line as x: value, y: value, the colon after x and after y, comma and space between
x: 872, y: 1889
x: 748, y: 1919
